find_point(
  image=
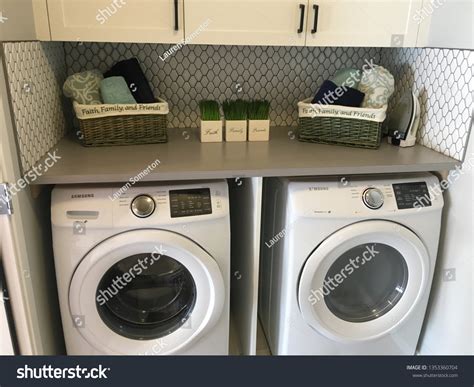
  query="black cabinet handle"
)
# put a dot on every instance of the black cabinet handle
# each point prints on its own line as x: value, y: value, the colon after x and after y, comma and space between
x: 176, y: 19
x: 302, y: 8
x: 316, y: 15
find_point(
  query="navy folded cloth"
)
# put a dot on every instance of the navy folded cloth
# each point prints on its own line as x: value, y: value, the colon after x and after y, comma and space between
x: 331, y: 94
x: 132, y: 72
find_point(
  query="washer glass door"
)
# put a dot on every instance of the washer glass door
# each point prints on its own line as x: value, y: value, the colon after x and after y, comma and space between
x: 363, y: 280
x: 157, y: 300
x: 146, y: 289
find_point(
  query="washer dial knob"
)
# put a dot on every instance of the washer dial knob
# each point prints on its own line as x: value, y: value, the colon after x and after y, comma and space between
x: 143, y: 206
x: 373, y: 198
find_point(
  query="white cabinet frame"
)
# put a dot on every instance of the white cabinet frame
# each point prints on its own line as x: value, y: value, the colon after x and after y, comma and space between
x: 141, y: 21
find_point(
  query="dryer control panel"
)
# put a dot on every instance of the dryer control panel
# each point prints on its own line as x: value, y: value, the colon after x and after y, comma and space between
x: 408, y: 194
x: 364, y: 196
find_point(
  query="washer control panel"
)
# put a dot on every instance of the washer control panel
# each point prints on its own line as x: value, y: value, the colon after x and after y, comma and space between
x: 190, y: 202
x: 373, y: 198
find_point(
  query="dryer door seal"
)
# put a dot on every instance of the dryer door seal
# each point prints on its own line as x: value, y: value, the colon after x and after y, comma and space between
x: 363, y: 281
x: 145, y: 292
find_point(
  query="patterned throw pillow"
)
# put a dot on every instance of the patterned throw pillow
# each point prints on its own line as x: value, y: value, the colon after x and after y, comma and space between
x: 84, y: 87
x: 378, y: 85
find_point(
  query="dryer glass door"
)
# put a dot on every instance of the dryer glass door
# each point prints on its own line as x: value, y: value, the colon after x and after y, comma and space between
x: 363, y: 280
x: 362, y: 289
x: 146, y: 292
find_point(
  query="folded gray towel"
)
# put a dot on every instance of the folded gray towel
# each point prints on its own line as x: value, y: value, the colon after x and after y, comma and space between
x: 115, y: 90
x: 84, y: 87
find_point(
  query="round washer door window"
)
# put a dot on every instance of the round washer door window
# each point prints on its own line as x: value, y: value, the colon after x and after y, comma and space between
x: 142, y: 286
x: 363, y: 281
x: 157, y: 300
x: 372, y: 289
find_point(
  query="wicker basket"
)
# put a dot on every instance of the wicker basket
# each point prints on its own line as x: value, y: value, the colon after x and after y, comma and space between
x: 340, y: 125
x: 122, y: 124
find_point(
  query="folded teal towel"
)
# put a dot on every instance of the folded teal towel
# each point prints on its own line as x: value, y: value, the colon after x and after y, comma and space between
x: 347, y: 77
x: 84, y: 87
x: 115, y: 90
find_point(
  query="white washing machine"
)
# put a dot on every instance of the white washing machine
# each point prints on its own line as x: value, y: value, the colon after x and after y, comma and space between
x: 347, y: 264
x: 143, y: 269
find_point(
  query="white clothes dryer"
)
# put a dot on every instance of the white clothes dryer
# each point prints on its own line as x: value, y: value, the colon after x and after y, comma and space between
x: 347, y: 264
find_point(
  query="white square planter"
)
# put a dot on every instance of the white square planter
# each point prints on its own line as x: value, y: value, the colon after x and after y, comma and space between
x: 236, y: 130
x: 211, y: 131
x: 259, y: 130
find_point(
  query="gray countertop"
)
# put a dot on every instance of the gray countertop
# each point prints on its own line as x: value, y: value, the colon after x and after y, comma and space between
x: 185, y: 158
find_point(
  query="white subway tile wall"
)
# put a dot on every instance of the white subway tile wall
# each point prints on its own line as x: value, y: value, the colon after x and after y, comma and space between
x: 36, y: 72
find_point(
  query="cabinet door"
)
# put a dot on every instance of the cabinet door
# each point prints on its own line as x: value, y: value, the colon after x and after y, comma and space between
x: 378, y: 23
x: 23, y: 20
x: 148, y: 21
x: 246, y: 22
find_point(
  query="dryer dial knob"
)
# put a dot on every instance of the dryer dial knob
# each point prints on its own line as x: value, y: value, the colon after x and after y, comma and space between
x: 373, y: 198
x: 143, y: 206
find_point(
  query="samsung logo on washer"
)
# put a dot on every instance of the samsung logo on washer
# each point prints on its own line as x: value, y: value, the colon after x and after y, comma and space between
x: 82, y: 196
x: 319, y: 188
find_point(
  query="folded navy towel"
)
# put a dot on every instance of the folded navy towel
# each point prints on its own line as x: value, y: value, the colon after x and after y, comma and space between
x: 132, y: 72
x: 331, y: 94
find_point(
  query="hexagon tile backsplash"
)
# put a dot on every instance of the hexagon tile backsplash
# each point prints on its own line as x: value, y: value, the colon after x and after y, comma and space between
x: 284, y: 75
x: 443, y: 79
x: 35, y: 72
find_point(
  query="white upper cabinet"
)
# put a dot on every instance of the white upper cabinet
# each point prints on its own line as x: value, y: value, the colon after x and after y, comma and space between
x: 147, y: 21
x: 377, y: 23
x: 246, y: 22
x: 371, y: 23
x: 23, y: 20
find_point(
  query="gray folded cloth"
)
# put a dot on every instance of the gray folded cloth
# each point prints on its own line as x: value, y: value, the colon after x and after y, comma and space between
x: 84, y: 87
x: 115, y: 90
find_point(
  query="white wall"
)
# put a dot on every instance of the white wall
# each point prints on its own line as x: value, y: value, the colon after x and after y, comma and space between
x: 449, y: 323
x: 6, y: 347
x: 451, y: 23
